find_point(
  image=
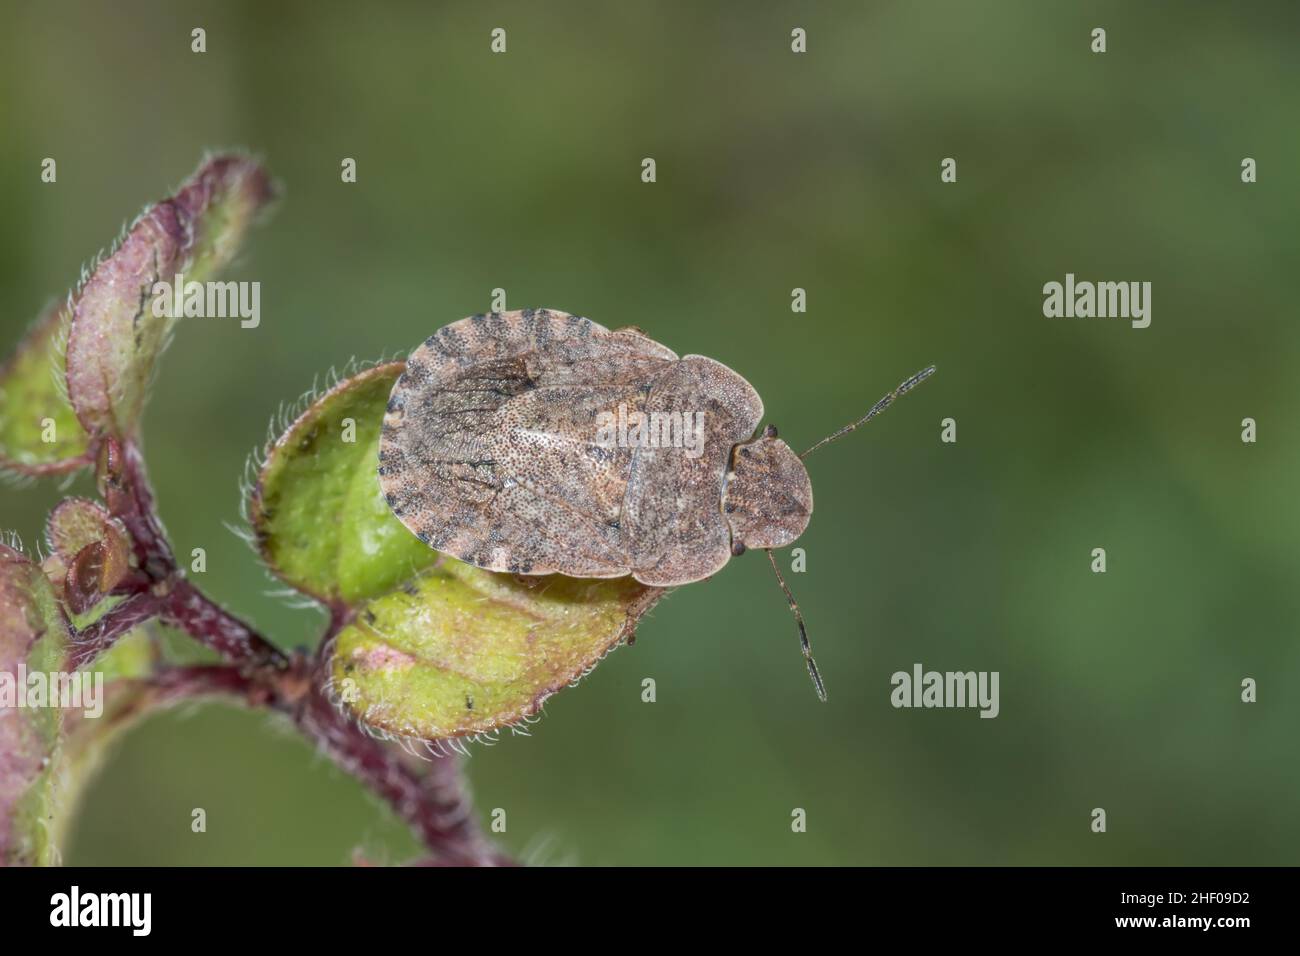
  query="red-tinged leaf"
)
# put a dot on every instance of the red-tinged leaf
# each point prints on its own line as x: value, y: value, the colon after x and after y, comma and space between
x: 77, y: 522
x: 116, y: 335
x: 90, y: 548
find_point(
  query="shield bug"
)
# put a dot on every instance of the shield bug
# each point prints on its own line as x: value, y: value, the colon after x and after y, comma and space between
x: 538, y: 442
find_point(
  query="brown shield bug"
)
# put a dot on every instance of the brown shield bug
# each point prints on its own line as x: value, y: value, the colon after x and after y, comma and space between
x: 538, y: 442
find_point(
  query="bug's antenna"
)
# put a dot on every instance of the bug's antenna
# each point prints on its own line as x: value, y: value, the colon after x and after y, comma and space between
x: 803, y: 631
x: 876, y: 409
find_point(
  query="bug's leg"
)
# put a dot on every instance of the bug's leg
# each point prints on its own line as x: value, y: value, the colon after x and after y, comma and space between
x: 803, y: 631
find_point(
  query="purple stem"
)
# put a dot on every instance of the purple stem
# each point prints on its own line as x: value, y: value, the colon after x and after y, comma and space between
x: 189, y: 609
x: 100, y: 636
x: 427, y: 795
x: 430, y: 799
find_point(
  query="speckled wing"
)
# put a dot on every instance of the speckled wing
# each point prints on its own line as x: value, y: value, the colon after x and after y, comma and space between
x: 489, y: 449
x: 673, y: 520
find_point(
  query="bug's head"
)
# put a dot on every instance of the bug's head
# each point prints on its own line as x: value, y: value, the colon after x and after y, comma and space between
x: 768, y: 497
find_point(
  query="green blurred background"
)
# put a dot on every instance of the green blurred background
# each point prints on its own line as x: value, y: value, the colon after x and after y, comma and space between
x: 775, y: 170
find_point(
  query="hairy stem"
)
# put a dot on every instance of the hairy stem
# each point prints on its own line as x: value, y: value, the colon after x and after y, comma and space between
x: 174, y: 684
x: 189, y: 609
x: 124, y: 486
x: 427, y: 794
x: 100, y: 636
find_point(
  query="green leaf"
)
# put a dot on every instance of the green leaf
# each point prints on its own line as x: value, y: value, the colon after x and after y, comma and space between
x: 434, y: 648
x: 34, y: 635
x: 90, y: 552
x: 34, y: 405
x: 116, y: 337
x: 462, y: 651
x: 317, y: 511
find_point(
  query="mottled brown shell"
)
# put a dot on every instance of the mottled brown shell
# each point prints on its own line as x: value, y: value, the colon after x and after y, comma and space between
x: 767, y: 498
x: 489, y: 450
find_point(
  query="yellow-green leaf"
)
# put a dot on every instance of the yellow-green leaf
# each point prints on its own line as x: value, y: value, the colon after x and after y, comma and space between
x: 33, y: 639
x: 39, y: 432
x: 462, y: 651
